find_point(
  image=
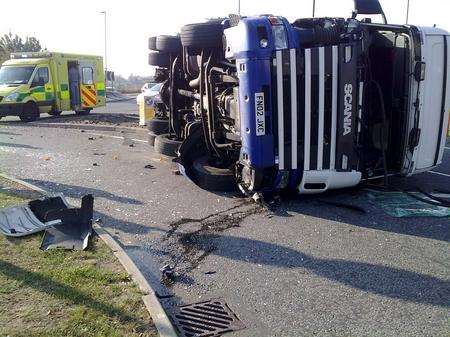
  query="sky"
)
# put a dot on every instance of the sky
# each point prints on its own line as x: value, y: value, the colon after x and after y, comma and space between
x: 78, y: 26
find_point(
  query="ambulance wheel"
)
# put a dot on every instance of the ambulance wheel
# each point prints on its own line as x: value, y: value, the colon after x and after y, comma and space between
x: 212, y: 178
x: 199, y: 36
x: 158, y: 126
x: 151, y: 138
x: 158, y: 59
x: 167, y: 145
x: 83, y: 112
x: 30, y: 112
x: 168, y: 44
x: 152, y: 43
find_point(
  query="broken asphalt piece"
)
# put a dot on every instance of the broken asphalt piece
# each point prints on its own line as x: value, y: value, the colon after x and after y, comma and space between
x: 168, y: 272
x: 75, y: 229
x: 91, y: 138
x: 95, y: 164
x: 149, y: 166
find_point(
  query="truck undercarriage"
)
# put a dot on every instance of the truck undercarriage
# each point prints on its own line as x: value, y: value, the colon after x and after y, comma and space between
x: 266, y: 105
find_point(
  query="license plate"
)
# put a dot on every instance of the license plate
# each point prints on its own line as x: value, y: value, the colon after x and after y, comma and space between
x: 260, y: 112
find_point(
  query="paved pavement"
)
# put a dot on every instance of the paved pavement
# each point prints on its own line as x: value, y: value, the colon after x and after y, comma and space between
x: 306, y: 268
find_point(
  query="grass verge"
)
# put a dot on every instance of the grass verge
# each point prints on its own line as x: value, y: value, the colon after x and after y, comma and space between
x: 65, y: 293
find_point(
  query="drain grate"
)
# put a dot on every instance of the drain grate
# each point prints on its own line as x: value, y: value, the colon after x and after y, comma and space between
x: 205, y: 319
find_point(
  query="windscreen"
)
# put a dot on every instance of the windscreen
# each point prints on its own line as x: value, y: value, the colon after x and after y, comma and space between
x: 15, y: 75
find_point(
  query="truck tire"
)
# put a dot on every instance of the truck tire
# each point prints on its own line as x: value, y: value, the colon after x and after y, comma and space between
x: 167, y: 145
x: 168, y: 44
x: 83, y: 112
x: 158, y: 126
x: 200, y: 36
x: 152, y: 43
x: 213, y: 178
x: 158, y: 59
x: 30, y: 112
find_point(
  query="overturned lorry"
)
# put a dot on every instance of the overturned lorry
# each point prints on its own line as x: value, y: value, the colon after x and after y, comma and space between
x: 317, y: 104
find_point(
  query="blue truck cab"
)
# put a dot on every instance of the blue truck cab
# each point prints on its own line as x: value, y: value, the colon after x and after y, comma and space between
x: 307, y: 106
x: 289, y: 98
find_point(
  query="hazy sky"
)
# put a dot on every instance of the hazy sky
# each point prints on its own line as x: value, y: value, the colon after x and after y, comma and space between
x: 80, y: 29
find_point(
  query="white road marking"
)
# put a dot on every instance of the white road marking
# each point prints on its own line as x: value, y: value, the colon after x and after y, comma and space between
x: 116, y: 137
x: 439, y: 173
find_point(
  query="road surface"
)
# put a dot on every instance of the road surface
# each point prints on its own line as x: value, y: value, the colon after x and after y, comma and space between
x: 305, y: 268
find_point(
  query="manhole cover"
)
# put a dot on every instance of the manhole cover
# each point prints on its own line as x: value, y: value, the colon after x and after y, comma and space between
x: 205, y: 319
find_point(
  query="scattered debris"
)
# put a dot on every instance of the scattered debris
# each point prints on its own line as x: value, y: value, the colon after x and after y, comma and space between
x: 95, y: 164
x: 82, y: 130
x: 149, y: 166
x: 168, y: 272
x: 399, y: 204
x: 115, y: 157
x: 210, y: 272
x: 91, y: 138
x: 46, y: 158
x: 176, y: 172
x: 75, y: 229
x: 64, y: 226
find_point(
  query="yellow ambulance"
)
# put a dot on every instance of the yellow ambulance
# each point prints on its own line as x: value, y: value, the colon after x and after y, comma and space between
x: 45, y: 82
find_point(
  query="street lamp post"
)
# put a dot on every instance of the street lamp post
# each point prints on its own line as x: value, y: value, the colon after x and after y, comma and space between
x: 239, y: 7
x: 314, y: 9
x: 106, y: 49
x: 407, y: 13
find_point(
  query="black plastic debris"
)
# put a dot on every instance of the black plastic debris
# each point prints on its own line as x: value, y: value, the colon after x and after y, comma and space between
x: 20, y: 220
x: 75, y: 229
x: 65, y: 226
x: 168, y: 272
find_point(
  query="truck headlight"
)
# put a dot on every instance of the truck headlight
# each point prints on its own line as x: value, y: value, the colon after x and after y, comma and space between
x: 12, y: 97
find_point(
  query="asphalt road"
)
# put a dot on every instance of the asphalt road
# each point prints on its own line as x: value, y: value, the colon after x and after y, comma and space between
x: 305, y: 268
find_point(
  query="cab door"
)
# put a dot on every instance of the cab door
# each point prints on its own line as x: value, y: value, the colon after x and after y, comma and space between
x: 88, y: 91
x: 41, y: 89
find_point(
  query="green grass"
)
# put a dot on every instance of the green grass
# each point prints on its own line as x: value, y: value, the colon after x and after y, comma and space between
x: 66, y: 293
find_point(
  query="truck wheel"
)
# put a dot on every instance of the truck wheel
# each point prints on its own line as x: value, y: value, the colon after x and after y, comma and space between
x: 200, y: 36
x: 212, y: 178
x: 83, y: 112
x: 159, y: 59
x: 152, y: 43
x: 168, y: 44
x: 158, y: 126
x: 167, y: 145
x: 30, y: 112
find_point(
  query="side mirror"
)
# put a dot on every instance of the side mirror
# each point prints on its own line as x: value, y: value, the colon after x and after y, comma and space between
x: 368, y: 7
